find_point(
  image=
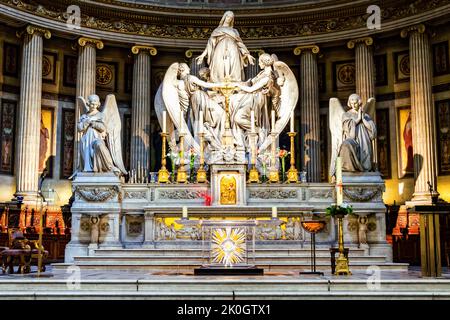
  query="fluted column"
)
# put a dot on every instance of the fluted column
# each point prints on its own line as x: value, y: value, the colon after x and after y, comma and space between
x: 87, y: 56
x: 365, y: 76
x: 422, y: 112
x: 140, y: 112
x: 30, y: 112
x: 309, y: 112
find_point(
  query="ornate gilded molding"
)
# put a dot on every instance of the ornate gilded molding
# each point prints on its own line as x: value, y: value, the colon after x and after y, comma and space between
x: 30, y: 29
x: 367, y: 40
x: 190, y: 52
x: 151, y: 50
x: 420, y: 28
x: 313, y: 48
x: 97, y: 194
x: 83, y: 41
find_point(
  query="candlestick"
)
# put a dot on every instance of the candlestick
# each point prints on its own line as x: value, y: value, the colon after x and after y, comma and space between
x: 185, y: 213
x: 163, y: 174
x: 292, y: 121
x: 274, y: 176
x: 253, y: 176
x: 252, y: 120
x: 339, y: 193
x: 292, y: 174
x: 274, y: 212
x: 181, y: 173
x: 164, y: 130
x: 273, y: 120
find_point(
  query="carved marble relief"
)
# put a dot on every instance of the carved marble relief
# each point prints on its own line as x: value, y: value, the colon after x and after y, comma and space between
x: 96, y: 194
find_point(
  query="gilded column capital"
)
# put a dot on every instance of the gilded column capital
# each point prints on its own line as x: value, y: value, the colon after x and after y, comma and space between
x: 190, y: 52
x: 368, y: 41
x: 258, y: 51
x: 420, y: 28
x: 136, y: 48
x: 314, y: 49
x: 83, y: 41
x: 30, y: 29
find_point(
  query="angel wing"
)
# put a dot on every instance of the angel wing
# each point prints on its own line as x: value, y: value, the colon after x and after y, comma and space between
x: 369, y: 107
x: 288, y: 99
x: 83, y: 102
x: 335, y: 117
x: 170, y: 97
x: 160, y: 107
x: 113, y: 129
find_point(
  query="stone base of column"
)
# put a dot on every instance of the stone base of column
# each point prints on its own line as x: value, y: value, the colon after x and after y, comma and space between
x: 28, y: 197
x: 422, y: 198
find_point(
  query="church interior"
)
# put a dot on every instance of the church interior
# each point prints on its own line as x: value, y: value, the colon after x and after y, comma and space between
x: 186, y: 170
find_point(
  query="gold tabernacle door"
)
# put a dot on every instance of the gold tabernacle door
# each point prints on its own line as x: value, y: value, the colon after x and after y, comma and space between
x: 228, y: 188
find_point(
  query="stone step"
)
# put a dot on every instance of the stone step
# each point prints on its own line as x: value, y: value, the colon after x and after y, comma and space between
x: 198, y: 287
x: 199, y: 259
x: 187, y: 267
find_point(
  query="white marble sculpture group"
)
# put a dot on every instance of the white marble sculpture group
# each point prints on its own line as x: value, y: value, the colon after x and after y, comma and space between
x: 226, y: 109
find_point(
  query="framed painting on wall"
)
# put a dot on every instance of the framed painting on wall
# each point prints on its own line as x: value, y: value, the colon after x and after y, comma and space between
x: 402, y: 69
x: 49, y: 61
x: 383, y: 150
x: 7, y: 135
x: 405, y: 143
x: 443, y: 135
x: 46, y: 141
x: 67, y: 142
x: 11, y: 59
x: 344, y: 75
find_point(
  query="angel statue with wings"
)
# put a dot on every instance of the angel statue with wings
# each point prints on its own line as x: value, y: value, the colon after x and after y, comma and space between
x: 352, y: 134
x: 100, y: 147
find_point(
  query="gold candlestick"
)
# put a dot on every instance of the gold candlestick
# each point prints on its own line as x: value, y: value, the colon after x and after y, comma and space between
x: 274, y: 176
x: 163, y: 174
x: 292, y: 174
x: 201, y: 172
x: 253, y: 176
x: 181, y: 173
x: 342, y: 262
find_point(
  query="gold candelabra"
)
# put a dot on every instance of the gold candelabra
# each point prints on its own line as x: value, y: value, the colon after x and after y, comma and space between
x: 201, y: 172
x: 292, y: 174
x: 163, y: 174
x: 181, y: 173
x: 342, y: 261
x: 274, y: 176
x: 253, y: 176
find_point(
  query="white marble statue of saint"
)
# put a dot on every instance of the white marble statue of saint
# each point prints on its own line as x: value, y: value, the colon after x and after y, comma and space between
x: 352, y: 134
x: 100, y: 147
x: 226, y: 54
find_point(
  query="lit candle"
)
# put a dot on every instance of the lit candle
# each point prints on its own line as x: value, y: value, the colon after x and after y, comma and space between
x: 185, y: 213
x: 292, y: 121
x: 252, y: 120
x: 274, y: 212
x: 181, y: 123
x: 164, y: 122
x: 273, y: 120
x: 339, y: 194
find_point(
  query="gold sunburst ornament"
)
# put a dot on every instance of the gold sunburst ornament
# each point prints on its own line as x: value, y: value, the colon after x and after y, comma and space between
x: 228, y: 246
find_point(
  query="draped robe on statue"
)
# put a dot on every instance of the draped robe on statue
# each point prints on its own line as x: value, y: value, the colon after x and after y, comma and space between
x: 226, y: 53
x: 356, y: 149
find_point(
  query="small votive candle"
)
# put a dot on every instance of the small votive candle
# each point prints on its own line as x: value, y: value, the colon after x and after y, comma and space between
x: 274, y: 213
x: 185, y: 213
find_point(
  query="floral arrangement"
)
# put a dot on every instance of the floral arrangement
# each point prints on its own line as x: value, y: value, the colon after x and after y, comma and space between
x: 342, y: 210
x: 174, y: 160
x: 282, y: 154
x: 265, y: 161
x: 192, y: 157
x: 207, y: 197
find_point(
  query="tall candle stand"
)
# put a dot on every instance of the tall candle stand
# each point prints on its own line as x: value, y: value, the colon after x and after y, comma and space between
x: 181, y: 173
x: 274, y: 176
x: 163, y: 174
x: 201, y: 172
x: 253, y: 176
x: 342, y: 267
x: 292, y: 174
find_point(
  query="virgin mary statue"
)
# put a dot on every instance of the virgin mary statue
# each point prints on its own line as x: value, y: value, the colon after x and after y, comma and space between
x: 226, y: 53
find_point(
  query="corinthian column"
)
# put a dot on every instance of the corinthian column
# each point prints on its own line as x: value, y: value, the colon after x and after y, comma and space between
x: 30, y: 112
x: 140, y: 112
x: 87, y: 56
x: 422, y: 112
x: 309, y: 112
